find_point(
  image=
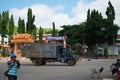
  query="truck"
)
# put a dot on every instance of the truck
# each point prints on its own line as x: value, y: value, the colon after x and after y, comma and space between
x: 41, y: 53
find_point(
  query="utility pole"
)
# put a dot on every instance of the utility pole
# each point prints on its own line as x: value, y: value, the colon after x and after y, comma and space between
x: 113, y: 47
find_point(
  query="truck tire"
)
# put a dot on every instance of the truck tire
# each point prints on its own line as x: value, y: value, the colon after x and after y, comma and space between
x: 71, y: 62
x: 37, y: 63
x: 43, y: 62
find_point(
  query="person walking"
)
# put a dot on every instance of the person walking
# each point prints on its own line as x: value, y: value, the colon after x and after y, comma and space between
x: 14, y: 65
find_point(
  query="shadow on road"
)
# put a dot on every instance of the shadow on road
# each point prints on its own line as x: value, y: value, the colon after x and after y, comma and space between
x: 49, y: 64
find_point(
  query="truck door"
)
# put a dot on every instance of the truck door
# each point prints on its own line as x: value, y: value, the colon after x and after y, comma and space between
x: 59, y: 52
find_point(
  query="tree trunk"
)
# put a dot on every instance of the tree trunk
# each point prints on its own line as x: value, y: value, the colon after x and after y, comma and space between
x: 2, y: 40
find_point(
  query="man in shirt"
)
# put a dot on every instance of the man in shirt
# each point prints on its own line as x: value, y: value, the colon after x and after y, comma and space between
x: 13, y: 72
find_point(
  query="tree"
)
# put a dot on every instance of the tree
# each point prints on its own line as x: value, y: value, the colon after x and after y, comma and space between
x: 0, y: 23
x: 21, y: 26
x: 93, y: 27
x: 5, y: 20
x: 30, y: 22
x: 47, y: 30
x: 11, y: 27
x: 35, y: 32
x: 74, y: 33
x: 54, y: 32
x: 4, y: 54
x: 96, y: 29
x: 40, y: 33
x: 110, y: 12
x: 112, y: 28
x: 106, y: 54
x: 88, y: 15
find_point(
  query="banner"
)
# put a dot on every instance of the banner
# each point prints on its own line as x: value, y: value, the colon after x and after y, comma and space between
x: 56, y: 37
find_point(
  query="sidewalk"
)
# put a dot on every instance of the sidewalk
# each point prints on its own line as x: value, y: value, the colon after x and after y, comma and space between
x: 107, y: 79
x: 88, y: 59
x: 8, y: 58
x: 110, y: 58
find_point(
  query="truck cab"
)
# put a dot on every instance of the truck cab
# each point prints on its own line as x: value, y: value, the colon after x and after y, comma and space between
x: 65, y: 56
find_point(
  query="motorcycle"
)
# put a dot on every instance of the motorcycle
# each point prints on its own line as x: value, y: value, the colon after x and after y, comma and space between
x: 114, y: 67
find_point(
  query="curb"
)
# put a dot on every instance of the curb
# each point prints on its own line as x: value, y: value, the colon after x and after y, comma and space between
x: 7, y: 58
x: 88, y: 59
x: 4, y: 59
x: 107, y: 79
x: 82, y: 59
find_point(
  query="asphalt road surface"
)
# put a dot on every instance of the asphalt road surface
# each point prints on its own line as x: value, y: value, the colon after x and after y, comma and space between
x: 57, y: 71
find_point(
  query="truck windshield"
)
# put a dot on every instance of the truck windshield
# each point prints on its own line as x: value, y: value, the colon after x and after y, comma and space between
x: 67, y: 52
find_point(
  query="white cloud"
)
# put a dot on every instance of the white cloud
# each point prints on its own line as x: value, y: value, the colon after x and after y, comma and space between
x: 81, y: 9
x: 61, y: 19
x: 45, y: 15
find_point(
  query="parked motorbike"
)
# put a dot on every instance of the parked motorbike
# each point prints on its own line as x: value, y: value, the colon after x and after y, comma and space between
x: 115, y: 66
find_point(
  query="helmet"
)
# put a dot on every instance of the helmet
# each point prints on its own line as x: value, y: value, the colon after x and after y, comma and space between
x: 13, y: 55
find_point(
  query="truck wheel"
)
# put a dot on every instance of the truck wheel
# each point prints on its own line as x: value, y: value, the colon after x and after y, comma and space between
x: 37, y: 63
x: 71, y: 62
x: 43, y: 62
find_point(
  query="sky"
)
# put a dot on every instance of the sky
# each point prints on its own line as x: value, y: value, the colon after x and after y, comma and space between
x: 62, y: 12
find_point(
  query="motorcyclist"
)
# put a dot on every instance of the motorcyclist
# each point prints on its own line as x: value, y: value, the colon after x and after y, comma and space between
x: 118, y: 62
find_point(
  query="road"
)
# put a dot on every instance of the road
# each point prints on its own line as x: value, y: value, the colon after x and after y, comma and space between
x: 58, y: 71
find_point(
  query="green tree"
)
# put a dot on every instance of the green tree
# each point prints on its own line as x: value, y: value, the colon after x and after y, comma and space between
x: 35, y: 32
x: 98, y: 29
x: 47, y: 30
x: 40, y: 33
x: 15, y: 29
x: 5, y: 20
x: 88, y: 15
x: 106, y: 54
x: 74, y: 33
x: 0, y: 23
x: 4, y: 54
x: 21, y: 26
x: 30, y: 22
x: 110, y: 12
x: 112, y: 28
x: 54, y: 32
x: 11, y: 27
x: 93, y: 27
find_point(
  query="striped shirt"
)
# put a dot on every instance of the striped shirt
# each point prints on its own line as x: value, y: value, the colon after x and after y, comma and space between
x: 13, y: 71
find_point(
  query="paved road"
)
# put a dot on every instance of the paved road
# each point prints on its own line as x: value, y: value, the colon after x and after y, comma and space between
x: 58, y: 71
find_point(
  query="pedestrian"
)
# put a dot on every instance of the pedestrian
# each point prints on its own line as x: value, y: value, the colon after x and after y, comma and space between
x: 14, y: 65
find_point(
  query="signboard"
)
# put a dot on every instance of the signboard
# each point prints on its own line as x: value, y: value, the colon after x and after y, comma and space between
x: 56, y: 37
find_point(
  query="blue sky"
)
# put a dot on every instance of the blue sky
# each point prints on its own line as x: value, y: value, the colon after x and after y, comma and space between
x: 62, y: 12
x: 52, y: 3
x: 22, y: 3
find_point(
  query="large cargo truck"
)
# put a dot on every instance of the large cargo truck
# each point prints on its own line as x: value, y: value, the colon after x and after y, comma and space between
x: 40, y: 53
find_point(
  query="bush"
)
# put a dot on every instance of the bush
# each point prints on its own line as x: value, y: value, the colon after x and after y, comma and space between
x: 75, y: 52
x: 3, y: 52
x: 106, y: 53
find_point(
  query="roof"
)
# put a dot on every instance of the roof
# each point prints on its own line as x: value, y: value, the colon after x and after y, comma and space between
x: 118, y: 37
